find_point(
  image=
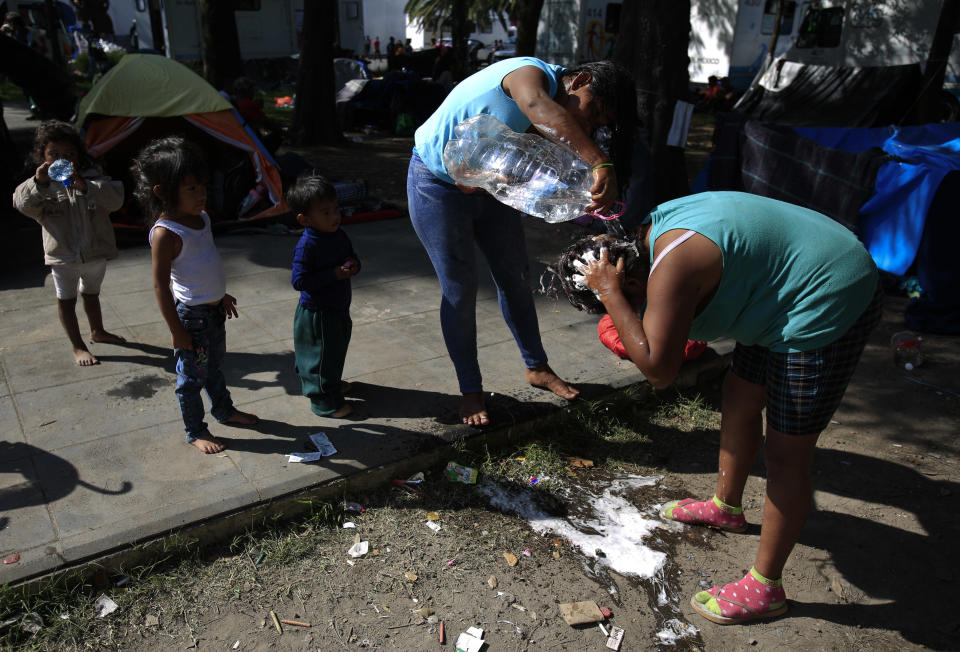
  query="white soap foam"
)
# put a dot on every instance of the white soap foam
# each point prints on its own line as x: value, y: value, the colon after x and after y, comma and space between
x: 622, y: 527
x: 674, y: 630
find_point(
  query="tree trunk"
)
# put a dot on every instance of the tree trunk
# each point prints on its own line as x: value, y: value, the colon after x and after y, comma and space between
x: 528, y: 20
x: 220, y: 48
x: 459, y: 33
x: 772, y: 50
x: 656, y: 52
x: 314, y: 114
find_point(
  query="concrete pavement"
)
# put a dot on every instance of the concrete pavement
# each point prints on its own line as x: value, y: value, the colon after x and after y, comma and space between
x: 93, y: 460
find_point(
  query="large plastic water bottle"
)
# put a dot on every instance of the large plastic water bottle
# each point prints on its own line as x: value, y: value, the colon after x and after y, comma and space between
x: 525, y: 171
x: 61, y: 170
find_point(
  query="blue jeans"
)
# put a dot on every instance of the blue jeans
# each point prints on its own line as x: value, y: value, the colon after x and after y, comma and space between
x: 200, y: 368
x: 449, y: 223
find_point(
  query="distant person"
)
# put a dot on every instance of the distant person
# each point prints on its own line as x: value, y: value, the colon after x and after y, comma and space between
x: 15, y: 27
x: 188, y: 281
x: 250, y: 108
x: 408, y: 46
x: 323, y: 264
x: 376, y: 46
x: 78, y: 238
x: 366, y: 45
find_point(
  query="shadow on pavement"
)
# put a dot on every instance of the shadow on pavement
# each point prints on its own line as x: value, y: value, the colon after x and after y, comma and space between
x: 20, y: 458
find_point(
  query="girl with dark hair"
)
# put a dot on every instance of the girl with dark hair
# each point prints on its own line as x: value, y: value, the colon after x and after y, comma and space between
x: 188, y: 281
x: 527, y: 94
x: 78, y: 237
x: 800, y: 295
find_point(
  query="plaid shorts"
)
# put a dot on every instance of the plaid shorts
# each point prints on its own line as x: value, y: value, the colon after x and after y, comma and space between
x: 804, y: 389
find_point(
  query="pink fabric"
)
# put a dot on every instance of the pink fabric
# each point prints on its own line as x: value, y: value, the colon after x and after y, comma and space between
x: 752, y: 595
x: 706, y: 512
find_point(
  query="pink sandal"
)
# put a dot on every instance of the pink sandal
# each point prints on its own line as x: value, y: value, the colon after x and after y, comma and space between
x: 712, y: 513
x: 751, y: 598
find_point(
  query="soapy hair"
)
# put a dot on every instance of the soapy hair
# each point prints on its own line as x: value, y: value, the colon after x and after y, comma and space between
x: 579, y: 294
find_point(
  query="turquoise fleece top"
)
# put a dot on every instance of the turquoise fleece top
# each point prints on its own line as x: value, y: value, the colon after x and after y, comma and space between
x: 793, y: 279
x: 479, y: 93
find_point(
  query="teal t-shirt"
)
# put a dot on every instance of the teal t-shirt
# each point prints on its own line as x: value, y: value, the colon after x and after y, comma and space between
x: 793, y: 279
x: 477, y: 94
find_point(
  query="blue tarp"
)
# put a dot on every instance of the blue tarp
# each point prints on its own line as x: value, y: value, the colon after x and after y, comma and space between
x: 892, y: 221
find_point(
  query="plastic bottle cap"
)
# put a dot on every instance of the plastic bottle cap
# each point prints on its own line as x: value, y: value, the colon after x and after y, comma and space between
x: 908, y: 366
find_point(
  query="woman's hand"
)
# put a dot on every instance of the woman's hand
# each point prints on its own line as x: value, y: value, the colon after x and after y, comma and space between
x: 468, y: 190
x: 601, y: 276
x: 604, y: 191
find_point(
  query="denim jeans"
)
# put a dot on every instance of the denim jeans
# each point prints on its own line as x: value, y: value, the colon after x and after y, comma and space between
x: 200, y: 368
x: 449, y: 223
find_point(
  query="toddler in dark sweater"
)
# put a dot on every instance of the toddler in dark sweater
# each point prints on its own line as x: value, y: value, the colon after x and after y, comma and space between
x: 323, y: 263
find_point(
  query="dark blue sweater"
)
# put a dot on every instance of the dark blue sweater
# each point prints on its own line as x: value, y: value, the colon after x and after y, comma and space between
x: 315, y: 261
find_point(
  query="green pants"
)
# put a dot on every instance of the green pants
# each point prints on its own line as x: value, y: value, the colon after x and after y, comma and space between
x: 320, y: 339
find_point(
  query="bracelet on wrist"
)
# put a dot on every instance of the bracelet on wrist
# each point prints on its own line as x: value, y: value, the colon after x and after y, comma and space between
x: 601, y: 165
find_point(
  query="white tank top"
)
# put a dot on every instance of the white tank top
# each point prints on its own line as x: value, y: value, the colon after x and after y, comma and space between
x: 196, y: 274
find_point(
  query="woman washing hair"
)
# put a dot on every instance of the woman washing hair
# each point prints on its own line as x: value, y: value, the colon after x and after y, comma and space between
x: 799, y: 294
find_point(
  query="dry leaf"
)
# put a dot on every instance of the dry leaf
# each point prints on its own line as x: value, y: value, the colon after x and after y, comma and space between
x: 410, y: 576
x: 511, y: 559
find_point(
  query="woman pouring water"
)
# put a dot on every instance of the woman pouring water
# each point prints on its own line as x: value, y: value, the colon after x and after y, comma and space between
x: 527, y: 94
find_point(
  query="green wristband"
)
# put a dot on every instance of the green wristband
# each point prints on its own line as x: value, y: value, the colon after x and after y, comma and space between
x: 601, y: 165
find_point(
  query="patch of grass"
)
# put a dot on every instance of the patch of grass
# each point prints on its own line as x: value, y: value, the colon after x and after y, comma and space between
x: 687, y: 414
x: 182, y: 569
x: 10, y: 92
x: 625, y: 433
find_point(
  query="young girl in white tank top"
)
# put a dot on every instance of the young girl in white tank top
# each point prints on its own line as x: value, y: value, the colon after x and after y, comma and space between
x: 189, y: 282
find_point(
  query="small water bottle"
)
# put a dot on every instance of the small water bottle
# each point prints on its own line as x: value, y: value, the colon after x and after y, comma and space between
x: 524, y: 171
x: 61, y: 170
x: 906, y: 350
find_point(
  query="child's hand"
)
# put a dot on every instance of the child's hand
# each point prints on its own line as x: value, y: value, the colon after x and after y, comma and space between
x: 182, y: 340
x: 352, y: 265
x: 41, y: 174
x: 79, y: 182
x: 229, y: 305
x: 343, y: 272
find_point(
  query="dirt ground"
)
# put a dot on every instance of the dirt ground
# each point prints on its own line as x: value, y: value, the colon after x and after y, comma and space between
x: 872, y: 571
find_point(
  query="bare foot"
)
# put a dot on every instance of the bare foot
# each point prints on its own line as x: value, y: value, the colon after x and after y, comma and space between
x: 473, y: 411
x: 84, y: 358
x: 239, y: 418
x: 208, y: 445
x: 106, y: 338
x: 345, y: 409
x: 544, y: 378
